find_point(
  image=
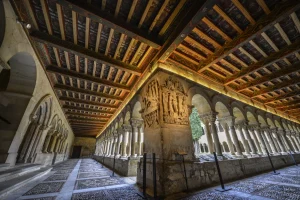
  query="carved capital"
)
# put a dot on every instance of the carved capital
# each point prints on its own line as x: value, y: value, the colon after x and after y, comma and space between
x: 126, y: 128
x: 209, y: 117
x: 229, y: 120
x: 136, y: 122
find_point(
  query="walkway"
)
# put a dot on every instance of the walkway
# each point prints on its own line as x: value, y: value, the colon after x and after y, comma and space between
x: 85, y: 179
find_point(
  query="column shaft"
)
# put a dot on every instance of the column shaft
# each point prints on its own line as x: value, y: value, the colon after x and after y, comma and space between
x: 235, y: 140
x: 216, y: 138
x: 229, y: 141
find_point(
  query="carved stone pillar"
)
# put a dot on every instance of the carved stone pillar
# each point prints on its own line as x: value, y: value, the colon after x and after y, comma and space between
x: 270, y: 139
x: 250, y: 141
x: 129, y: 142
x: 279, y: 146
x: 257, y: 144
x: 284, y: 139
x: 116, y: 150
x: 167, y: 133
x: 119, y: 143
x: 240, y: 129
x: 295, y: 141
x: 228, y: 138
x: 292, y: 142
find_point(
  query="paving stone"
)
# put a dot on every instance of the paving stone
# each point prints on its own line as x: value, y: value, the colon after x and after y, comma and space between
x: 63, y: 171
x: 90, y: 170
x: 58, y: 177
x: 43, y: 188
x: 100, y: 182
x: 91, y: 175
x: 123, y: 193
x: 285, y: 179
x: 281, y: 192
x: 43, y: 198
x: 213, y: 196
x: 248, y: 186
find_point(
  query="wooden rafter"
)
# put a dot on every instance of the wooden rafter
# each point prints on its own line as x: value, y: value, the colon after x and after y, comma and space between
x: 266, y: 22
x: 87, y: 92
x: 87, y: 109
x: 244, y: 11
x: 282, y: 96
x: 284, y: 72
x: 85, y: 77
x: 94, y: 103
x: 85, y: 119
x: 278, y: 86
x: 94, y: 13
x: 276, y: 56
x: 287, y: 104
x: 186, y: 25
x: 83, y: 52
x: 85, y: 114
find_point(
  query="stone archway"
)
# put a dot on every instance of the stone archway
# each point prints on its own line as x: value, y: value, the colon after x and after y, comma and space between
x: 18, y: 92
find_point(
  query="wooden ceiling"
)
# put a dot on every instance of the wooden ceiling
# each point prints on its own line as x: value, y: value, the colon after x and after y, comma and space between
x: 97, y: 51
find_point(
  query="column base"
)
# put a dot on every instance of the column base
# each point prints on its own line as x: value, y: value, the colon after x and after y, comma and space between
x: 276, y: 154
x: 284, y: 153
x: 255, y: 155
x: 239, y: 156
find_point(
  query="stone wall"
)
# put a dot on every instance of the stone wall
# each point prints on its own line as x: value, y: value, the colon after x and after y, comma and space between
x: 20, y: 103
x: 124, y: 167
x: 88, y: 145
x: 202, y: 175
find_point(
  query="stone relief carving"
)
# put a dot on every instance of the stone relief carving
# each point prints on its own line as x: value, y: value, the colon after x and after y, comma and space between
x: 175, y: 109
x: 150, y: 101
x: 169, y: 98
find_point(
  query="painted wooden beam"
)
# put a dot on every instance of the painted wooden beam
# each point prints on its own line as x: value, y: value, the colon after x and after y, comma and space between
x: 94, y: 103
x: 94, y: 13
x: 284, y: 72
x: 83, y: 52
x: 266, y: 22
x: 85, y: 77
x: 87, y: 92
x: 86, y: 115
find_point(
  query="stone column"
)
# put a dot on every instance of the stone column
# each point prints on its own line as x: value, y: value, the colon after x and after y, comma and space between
x: 53, y: 142
x: 270, y: 138
x: 284, y: 139
x: 250, y: 141
x: 46, y: 143
x: 126, y: 130
x: 277, y: 139
x: 295, y: 140
x: 58, y: 141
x: 239, y: 126
x: 291, y: 141
x: 140, y: 140
x: 208, y: 135
x: 108, y: 147
x: 267, y: 144
x: 215, y: 135
x: 134, y: 139
x: 119, y: 143
x: 258, y: 147
x: 260, y: 139
x: 230, y: 122
x: 129, y: 142
x: 228, y: 138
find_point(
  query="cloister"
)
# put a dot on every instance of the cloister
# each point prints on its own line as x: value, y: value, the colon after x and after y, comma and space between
x: 162, y: 99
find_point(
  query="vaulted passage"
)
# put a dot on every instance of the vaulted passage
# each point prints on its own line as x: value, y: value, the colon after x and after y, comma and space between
x: 157, y: 91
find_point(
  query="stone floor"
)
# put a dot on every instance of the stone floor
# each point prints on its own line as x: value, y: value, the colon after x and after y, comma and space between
x: 285, y: 186
x: 86, y: 179
x: 83, y: 179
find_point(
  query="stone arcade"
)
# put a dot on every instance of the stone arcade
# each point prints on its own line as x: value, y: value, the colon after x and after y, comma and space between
x: 89, y: 88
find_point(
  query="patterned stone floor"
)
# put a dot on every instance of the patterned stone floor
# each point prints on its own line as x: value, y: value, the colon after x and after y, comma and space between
x: 86, y: 179
x: 83, y: 179
x: 285, y: 186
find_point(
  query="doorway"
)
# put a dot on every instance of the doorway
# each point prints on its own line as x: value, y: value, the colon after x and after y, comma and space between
x: 76, y: 152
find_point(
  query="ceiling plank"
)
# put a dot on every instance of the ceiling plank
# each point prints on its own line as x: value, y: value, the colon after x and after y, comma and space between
x: 217, y: 29
x: 161, y: 10
x: 85, y: 77
x: 276, y: 56
x: 94, y: 103
x: 186, y: 25
x: 83, y: 52
x: 87, y: 92
x: 46, y: 16
x: 206, y: 37
x: 74, y: 24
x: 283, y: 96
x: 86, y: 119
x: 284, y: 72
x: 86, y: 115
x: 296, y: 20
x: 287, y: 104
x: 276, y: 87
x: 61, y: 21
x: 282, y: 33
x: 87, y: 109
x: 120, y: 25
x: 266, y: 22
x: 227, y: 18
x: 264, y: 6
x: 244, y: 11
